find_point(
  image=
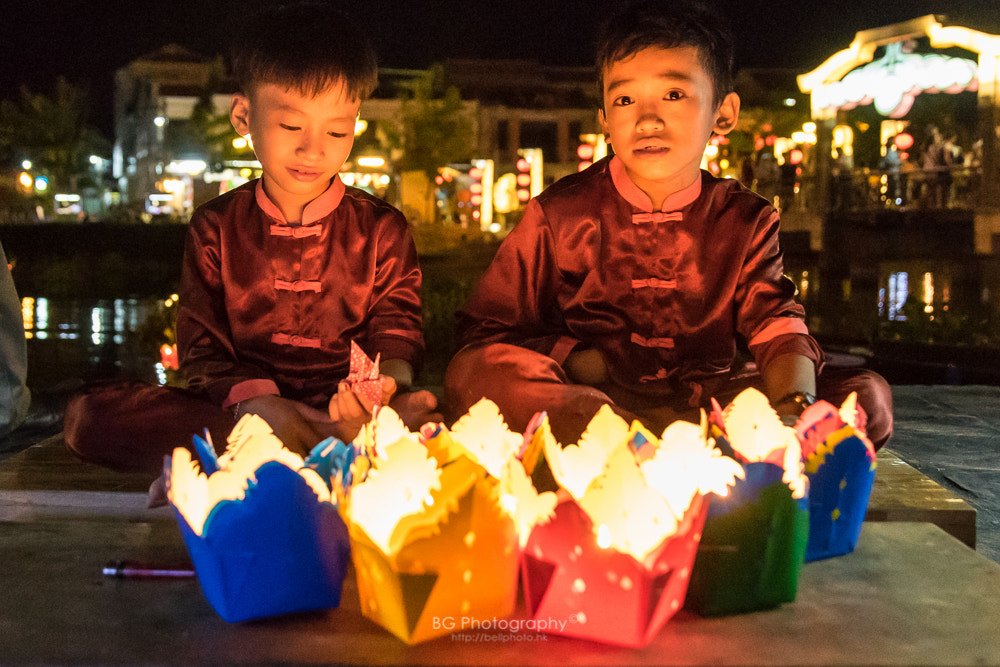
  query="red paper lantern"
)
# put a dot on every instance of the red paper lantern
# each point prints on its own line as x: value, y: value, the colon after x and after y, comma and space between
x: 903, y: 141
x: 168, y: 356
x: 606, y: 595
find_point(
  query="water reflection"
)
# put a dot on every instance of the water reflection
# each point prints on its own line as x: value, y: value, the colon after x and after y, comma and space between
x: 91, y: 339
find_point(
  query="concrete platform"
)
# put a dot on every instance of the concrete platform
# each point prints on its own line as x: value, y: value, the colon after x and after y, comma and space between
x: 46, y: 481
x: 952, y: 435
x: 902, y: 493
x: 909, y: 595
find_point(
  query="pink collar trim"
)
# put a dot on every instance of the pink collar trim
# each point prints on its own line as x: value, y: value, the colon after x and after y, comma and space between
x: 633, y: 195
x: 314, y: 211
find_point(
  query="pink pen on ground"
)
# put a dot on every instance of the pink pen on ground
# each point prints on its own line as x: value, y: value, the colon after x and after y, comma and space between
x: 130, y: 570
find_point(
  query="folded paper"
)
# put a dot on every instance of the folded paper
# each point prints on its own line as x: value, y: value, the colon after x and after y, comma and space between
x: 435, y: 522
x: 364, y: 377
x: 261, y: 530
x: 753, y: 545
x: 840, y: 463
x: 615, y: 560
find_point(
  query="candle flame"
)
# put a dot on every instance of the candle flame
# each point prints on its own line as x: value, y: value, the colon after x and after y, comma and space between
x: 399, y: 485
x: 603, y: 536
x: 636, y: 497
x: 756, y: 433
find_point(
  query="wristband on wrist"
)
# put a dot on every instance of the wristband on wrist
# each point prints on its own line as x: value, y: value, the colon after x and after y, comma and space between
x: 802, y: 399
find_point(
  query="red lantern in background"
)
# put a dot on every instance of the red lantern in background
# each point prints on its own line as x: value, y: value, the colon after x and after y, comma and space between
x: 903, y: 141
x: 585, y: 152
x: 168, y: 356
x: 523, y: 180
x: 476, y: 190
x: 795, y: 156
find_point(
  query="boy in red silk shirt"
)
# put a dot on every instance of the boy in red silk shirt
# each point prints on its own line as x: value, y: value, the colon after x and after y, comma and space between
x: 282, y: 273
x: 629, y: 283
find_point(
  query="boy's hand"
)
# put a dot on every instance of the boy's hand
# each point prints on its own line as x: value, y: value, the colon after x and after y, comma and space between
x: 416, y: 408
x: 298, y: 426
x: 351, y: 411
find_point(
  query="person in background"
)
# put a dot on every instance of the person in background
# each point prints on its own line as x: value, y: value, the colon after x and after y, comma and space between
x: 768, y: 176
x: 630, y: 284
x: 281, y: 274
x: 748, y: 179
x: 936, y: 162
x: 15, y: 397
x: 788, y: 177
x: 890, y: 164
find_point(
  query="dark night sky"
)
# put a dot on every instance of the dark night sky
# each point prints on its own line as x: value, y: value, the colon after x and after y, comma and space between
x: 86, y: 40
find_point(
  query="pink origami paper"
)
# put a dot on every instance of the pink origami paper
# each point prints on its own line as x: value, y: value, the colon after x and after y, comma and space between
x: 364, y: 376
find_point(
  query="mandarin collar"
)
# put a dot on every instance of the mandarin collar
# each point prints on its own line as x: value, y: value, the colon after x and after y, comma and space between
x: 640, y: 200
x: 314, y: 211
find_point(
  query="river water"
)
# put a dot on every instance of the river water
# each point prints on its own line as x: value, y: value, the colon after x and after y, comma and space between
x: 72, y: 340
x: 84, y: 339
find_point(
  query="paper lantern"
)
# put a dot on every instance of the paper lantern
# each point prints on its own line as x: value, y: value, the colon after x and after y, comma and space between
x: 261, y: 530
x: 435, y: 523
x: 840, y: 463
x: 753, y: 545
x: 616, y: 558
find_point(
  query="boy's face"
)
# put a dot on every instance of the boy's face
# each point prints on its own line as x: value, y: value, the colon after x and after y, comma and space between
x: 301, y: 141
x: 659, y: 114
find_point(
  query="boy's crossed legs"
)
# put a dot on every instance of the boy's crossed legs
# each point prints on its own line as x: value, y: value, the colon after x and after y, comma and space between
x: 522, y: 382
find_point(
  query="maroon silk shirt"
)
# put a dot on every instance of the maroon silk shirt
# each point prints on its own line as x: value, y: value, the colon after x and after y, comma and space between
x: 662, y: 294
x: 268, y: 307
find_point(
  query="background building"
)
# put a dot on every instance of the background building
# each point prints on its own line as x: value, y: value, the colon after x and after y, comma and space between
x: 174, y: 149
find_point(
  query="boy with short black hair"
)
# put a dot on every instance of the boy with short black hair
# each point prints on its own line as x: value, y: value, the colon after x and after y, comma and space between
x: 282, y: 273
x: 629, y: 283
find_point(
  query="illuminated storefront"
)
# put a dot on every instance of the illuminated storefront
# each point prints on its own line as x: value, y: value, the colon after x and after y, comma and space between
x: 853, y: 77
x: 918, y: 258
